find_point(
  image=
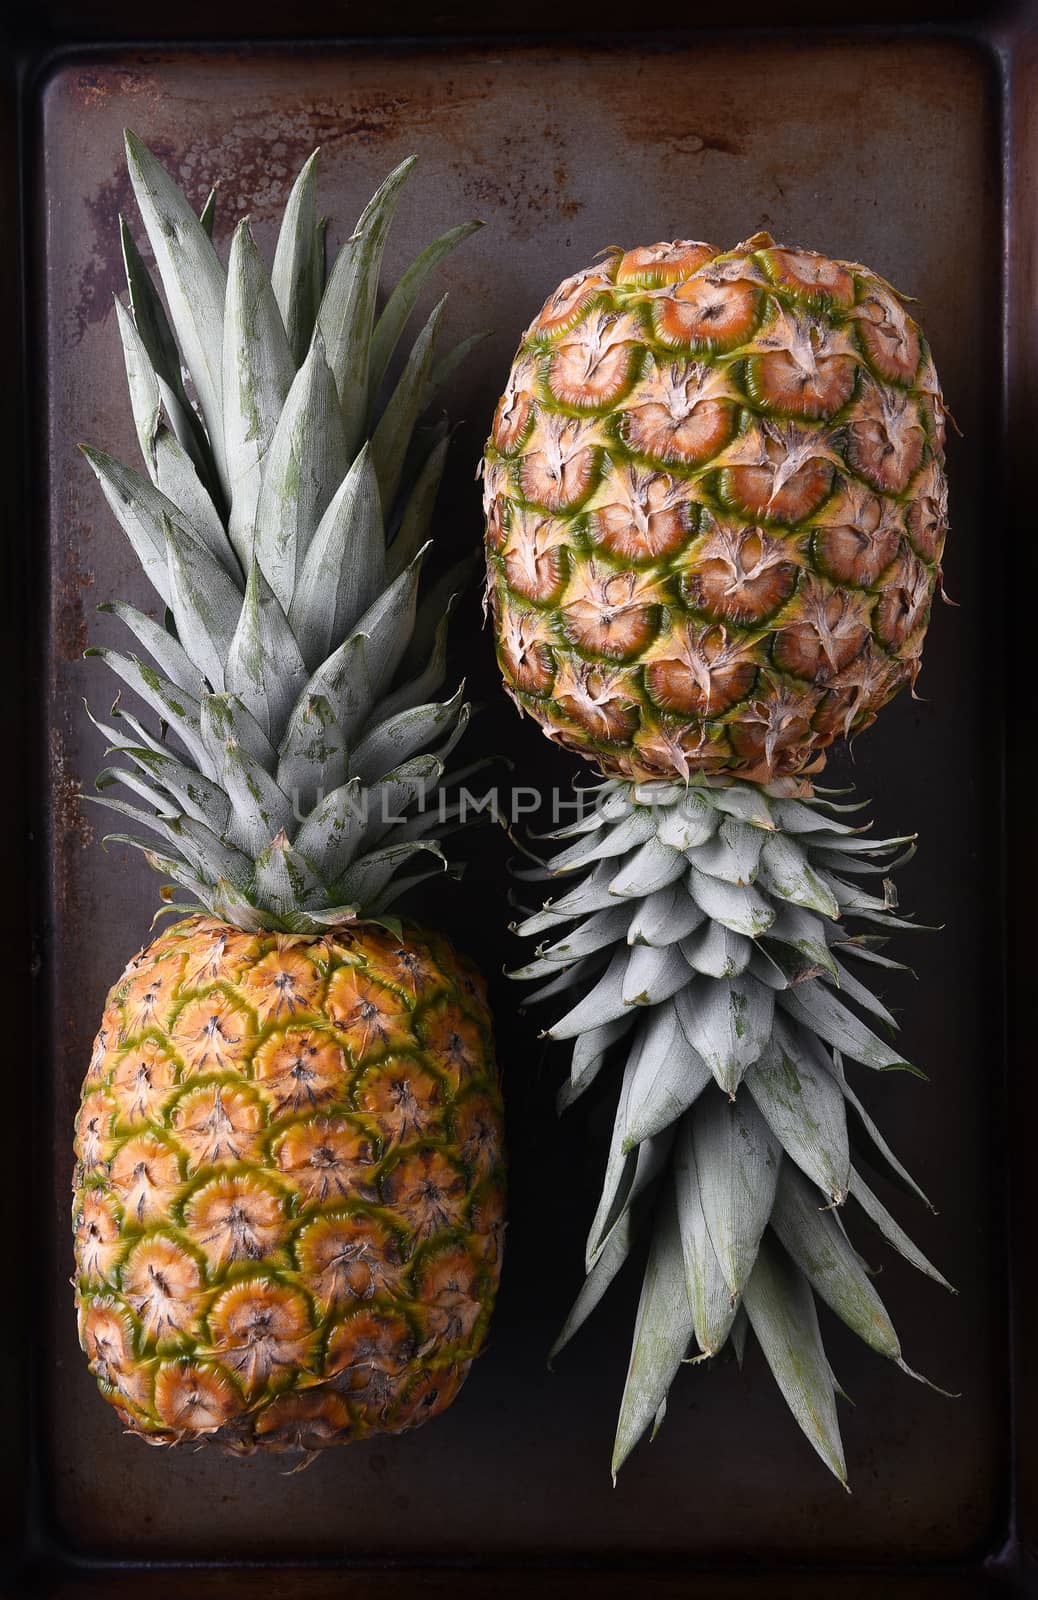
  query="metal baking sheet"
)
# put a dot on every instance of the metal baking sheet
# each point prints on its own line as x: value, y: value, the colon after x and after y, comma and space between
x: 887, y: 148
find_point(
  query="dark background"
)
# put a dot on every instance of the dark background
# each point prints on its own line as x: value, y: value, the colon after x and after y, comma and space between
x: 905, y: 147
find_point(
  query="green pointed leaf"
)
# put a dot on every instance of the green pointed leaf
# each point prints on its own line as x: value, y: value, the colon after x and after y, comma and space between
x: 817, y: 1009
x: 711, y: 1304
x: 794, y: 1089
x: 194, y: 281
x: 667, y: 1076
x: 665, y: 917
x: 716, y: 951
x: 607, y: 1265
x: 404, y: 298
x: 305, y: 464
x: 728, y: 1021
x: 347, y: 310
x: 206, y: 604
x: 737, y: 1164
x: 892, y: 1232
x: 294, y: 277
x: 168, y: 654
x: 264, y: 666
x: 745, y: 801
x: 403, y: 736
x: 786, y: 872
x: 688, y: 824
x: 344, y: 569
x: 260, y: 810
x: 653, y: 975
x: 334, y: 831
x: 285, y: 882
x: 369, y: 876
x: 887, y: 1160
x: 257, y: 372
x: 392, y: 436
x: 833, y: 1268
x: 341, y: 685
x: 603, y: 1004
x: 652, y: 866
x: 598, y: 932
x: 804, y: 933
x: 782, y: 1314
x: 589, y: 1054
x: 225, y: 718
x: 387, y: 627
x: 662, y: 1333
x: 418, y: 513
x: 739, y: 907
x: 312, y: 759
x: 173, y: 704
x: 733, y: 853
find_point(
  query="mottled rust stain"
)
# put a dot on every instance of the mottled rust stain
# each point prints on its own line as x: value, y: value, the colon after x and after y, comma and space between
x: 70, y: 620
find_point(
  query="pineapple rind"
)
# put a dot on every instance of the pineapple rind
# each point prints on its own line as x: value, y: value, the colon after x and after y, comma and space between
x: 248, y: 1093
x: 716, y: 505
x: 719, y: 980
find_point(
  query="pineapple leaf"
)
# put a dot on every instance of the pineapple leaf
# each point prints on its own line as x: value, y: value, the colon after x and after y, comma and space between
x: 603, y: 1003
x: 816, y: 1008
x: 342, y: 685
x: 802, y: 1103
x: 194, y: 281
x: 689, y: 824
x: 418, y: 690
x: 150, y: 320
x: 417, y: 518
x: 335, y: 829
x: 728, y: 1021
x: 161, y: 645
x: 285, y: 882
x: 259, y: 809
x: 347, y: 311
x: 444, y: 369
x: 711, y: 1304
x: 892, y: 1232
x: 664, y: 917
x: 294, y: 278
x: 264, y: 666
x: 257, y: 372
x: 833, y: 1268
x: 717, y: 952
x: 224, y: 717
x: 668, y: 1075
x: 403, y: 300
x: 207, y: 215
x: 392, y: 436
x: 652, y: 866
x: 782, y: 1313
x: 589, y: 1055
x: 785, y: 872
x: 608, y: 1263
x: 402, y: 736
x: 737, y: 1163
x: 737, y: 906
x: 312, y: 758
x: 205, y: 603
x: 173, y: 704
x: 652, y: 975
x: 662, y: 1333
x: 344, y: 569
x: 305, y: 464
x: 367, y: 877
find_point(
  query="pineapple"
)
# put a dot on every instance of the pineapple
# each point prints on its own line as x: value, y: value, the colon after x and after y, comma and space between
x: 289, y: 1174
x: 715, y: 511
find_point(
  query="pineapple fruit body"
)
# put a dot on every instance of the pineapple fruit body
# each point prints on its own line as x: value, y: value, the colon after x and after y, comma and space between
x: 288, y: 1206
x: 715, y: 506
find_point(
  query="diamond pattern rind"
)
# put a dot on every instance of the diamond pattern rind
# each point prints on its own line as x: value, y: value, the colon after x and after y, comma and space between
x: 716, y: 507
x: 289, y: 1186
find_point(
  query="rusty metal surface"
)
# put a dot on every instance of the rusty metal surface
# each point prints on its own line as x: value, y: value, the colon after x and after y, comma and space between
x: 881, y: 150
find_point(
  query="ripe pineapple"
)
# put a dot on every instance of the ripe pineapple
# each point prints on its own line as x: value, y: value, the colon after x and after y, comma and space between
x: 289, y: 1179
x: 716, y: 506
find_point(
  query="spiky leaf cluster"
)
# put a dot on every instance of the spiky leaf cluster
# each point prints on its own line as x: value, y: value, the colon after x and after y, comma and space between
x: 282, y: 521
x: 706, y: 947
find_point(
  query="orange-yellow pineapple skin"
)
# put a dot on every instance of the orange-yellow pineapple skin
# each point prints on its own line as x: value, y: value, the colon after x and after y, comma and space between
x: 716, y: 506
x: 289, y: 1185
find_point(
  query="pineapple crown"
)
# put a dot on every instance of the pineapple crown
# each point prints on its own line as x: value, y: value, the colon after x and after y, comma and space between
x: 283, y: 523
